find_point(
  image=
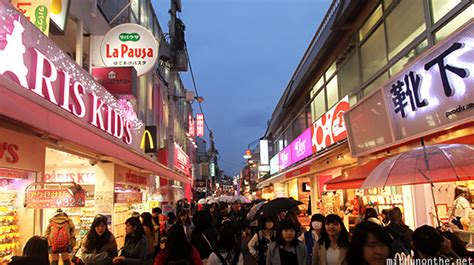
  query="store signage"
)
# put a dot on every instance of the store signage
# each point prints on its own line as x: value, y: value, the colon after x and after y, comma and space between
x: 298, y: 172
x: 264, y: 152
x: 47, y: 72
x: 37, y: 12
x: 77, y: 177
x: 149, y: 140
x: 199, y: 125
x: 117, y: 80
x: 128, y: 197
x: 330, y: 128
x: 130, y: 45
x: 432, y: 94
x: 59, y: 13
x: 301, y: 146
x: 191, y: 125
x: 9, y: 153
x: 15, y: 174
x: 285, y: 157
x: 54, y: 198
x: 129, y: 177
x: 181, y: 160
x: 274, y: 164
x: 212, y: 169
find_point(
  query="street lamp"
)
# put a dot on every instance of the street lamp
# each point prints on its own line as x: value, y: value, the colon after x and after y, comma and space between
x: 248, y: 154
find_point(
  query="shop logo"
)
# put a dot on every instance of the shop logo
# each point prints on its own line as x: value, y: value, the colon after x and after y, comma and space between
x: 300, y: 147
x: 9, y: 151
x: 129, y: 37
x: 41, y: 16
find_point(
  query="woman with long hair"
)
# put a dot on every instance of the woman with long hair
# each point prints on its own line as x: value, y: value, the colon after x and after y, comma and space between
x: 227, y: 252
x: 312, y: 236
x: 372, y: 216
x: 331, y: 248
x: 99, y: 246
x: 178, y: 250
x: 185, y: 221
x: 136, y: 245
x: 148, y: 228
x: 204, y: 236
x: 399, y: 232
x: 459, y: 214
x: 34, y: 252
x: 259, y: 243
x: 286, y: 249
x: 370, y: 245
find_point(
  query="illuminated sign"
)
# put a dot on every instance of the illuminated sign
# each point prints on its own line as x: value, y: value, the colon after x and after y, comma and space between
x: 264, y: 152
x: 181, y: 160
x: 274, y: 164
x: 130, y: 45
x: 117, y: 80
x: 77, y: 177
x: 9, y: 152
x: 37, y: 12
x: 191, y: 125
x: 51, y: 198
x: 149, y: 140
x: 285, y: 157
x: 301, y: 146
x: 59, y: 13
x: 199, y: 125
x: 46, y: 71
x: 330, y: 128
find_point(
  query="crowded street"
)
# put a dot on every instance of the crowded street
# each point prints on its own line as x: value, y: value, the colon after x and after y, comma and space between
x: 236, y: 132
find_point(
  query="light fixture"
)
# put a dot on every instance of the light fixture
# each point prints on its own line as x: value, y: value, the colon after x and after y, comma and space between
x: 248, y: 154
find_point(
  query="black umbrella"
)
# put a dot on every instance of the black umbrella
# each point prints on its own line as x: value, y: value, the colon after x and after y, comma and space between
x: 276, y: 206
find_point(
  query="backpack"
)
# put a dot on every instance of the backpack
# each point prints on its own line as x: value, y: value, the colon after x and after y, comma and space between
x: 59, y: 237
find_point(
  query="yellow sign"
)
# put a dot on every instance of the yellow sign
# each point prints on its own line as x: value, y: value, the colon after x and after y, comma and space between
x: 149, y: 139
x: 36, y: 11
x: 59, y: 13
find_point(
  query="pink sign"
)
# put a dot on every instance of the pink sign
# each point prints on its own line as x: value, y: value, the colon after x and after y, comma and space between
x: 330, y: 128
x: 199, y: 125
x: 181, y: 160
x: 301, y: 146
x: 191, y: 125
x: 285, y: 157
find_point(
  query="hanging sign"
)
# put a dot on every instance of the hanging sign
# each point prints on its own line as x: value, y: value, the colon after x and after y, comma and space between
x: 191, y: 125
x: 199, y: 125
x: 181, y: 160
x: 130, y: 45
x: 117, y: 80
x: 54, y: 198
x: 37, y: 12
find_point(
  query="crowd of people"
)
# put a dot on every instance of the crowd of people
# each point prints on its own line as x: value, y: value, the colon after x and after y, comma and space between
x: 221, y: 233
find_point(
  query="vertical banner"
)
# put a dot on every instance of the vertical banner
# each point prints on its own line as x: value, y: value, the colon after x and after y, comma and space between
x: 36, y: 11
x: 199, y: 125
x: 191, y: 125
x: 264, y: 152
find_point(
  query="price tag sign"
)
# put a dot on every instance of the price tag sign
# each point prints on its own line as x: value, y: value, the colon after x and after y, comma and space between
x: 54, y: 198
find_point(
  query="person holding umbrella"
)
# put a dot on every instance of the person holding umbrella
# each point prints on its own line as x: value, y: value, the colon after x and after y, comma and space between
x: 259, y: 243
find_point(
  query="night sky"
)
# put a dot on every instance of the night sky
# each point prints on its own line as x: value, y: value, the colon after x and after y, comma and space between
x: 243, y: 54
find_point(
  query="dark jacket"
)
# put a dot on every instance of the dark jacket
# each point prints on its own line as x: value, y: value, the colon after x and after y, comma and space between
x: 404, y: 233
x: 273, y: 254
x: 135, y: 253
x: 27, y: 260
x: 198, y: 240
x: 98, y: 256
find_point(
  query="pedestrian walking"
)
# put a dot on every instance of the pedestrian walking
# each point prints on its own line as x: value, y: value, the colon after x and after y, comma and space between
x: 99, y: 246
x: 258, y: 245
x: 333, y: 245
x: 459, y: 214
x: 60, y: 233
x: 312, y: 236
x: 34, y: 252
x: 370, y: 245
x: 147, y: 223
x: 372, y: 216
x: 204, y: 236
x: 178, y: 250
x: 286, y: 249
x: 227, y: 252
x: 155, y: 214
x: 185, y: 221
x: 400, y: 233
x: 136, y: 245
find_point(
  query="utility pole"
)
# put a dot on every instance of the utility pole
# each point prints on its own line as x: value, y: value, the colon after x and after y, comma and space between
x: 172, y: 94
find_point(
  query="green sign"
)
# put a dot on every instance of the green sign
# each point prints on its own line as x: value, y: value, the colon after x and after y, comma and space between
x: 129, y: 37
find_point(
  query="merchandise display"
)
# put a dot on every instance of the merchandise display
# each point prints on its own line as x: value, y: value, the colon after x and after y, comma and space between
x: 9, y: 230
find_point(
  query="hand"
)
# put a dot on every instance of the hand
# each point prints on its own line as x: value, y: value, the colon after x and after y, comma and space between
x: 118, y: 259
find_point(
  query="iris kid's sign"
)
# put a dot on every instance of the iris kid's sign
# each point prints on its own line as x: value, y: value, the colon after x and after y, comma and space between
x: 33, y: 61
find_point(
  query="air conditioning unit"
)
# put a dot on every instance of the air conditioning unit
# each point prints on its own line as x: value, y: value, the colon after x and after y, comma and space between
x: 181, y: 62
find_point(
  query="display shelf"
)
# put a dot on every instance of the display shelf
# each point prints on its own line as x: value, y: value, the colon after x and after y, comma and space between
x: 9, y: 229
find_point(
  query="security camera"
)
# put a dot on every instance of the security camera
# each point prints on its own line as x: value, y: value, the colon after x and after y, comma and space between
x: 92, y: 162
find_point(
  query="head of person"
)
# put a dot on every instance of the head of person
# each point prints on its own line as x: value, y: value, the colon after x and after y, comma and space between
x: 370, y: 245
x: 183, y: 218
x: 427, y: 241
x: 98, y: 234
x: 267, y: 224
x: 227, y: 240
x: 286, y: 233
x: 202, y: 220
x: 461, y: 191
x: 136, y: 214
x: 37, y: 246
x: 317, y: 222
x: 133, y: 229
x: 396, y: 217
x: 177, y: 237
x: 384, y: 215
x: 171, y: 217
x: 236, y: 206
x: 457, y: 244
x: 334, y: 229
x: 155, y: 212
x: 147, y: 220
x: 370, y: 213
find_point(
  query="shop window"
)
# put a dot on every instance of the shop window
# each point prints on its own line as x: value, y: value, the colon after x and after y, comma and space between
x: 373, y: 53
x: 348, y: 75
x: 332, y: 92
x: 375, y: 84
x: 331, y: 70
x: 454, y: 24
x: 352, y: 100
x: 370, y: 23
x: 412, y: 54
x: 439, y: 8
x: 318, y: 105
x: 403, y: 25
x: 319, y: 84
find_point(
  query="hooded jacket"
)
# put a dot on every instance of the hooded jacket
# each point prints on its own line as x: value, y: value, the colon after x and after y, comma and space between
x: 61, y: 218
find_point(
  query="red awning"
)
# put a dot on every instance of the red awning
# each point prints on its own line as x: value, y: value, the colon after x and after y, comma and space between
x: 20, y: 108
x: 353, y: 178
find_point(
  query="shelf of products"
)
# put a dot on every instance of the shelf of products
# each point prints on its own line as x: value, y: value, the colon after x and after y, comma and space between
x: 9, y: 230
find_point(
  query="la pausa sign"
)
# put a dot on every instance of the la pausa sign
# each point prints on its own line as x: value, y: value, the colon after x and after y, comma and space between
x: 35, y: 71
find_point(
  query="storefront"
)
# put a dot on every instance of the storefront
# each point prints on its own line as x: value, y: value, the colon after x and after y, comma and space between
x: 64, y: 139
x: 428, y: 103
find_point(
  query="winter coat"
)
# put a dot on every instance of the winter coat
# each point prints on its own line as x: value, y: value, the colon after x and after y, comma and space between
x: 101, y: 256
x: 404, y: 233
x: 162, y: 258
x: 135, y: 253
x: 60, y: 219
x: 319, y: 255
x: 201, y: 244
x: 273, y: 254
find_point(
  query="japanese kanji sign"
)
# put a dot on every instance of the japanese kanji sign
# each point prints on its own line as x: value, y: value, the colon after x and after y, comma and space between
x: 199, y: 125
x: 54, y: 198
x: 191, y: 125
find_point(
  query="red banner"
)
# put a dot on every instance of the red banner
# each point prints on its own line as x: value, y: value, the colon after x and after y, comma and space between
x: 54, y: 198
x: 117, y: 80
x: 128, y: 197
x: 191, y: 125
x: 15, y: 174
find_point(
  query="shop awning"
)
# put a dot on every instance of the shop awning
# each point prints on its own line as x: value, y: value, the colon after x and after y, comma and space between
x: 59, y: 124
x: 353, y: 178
